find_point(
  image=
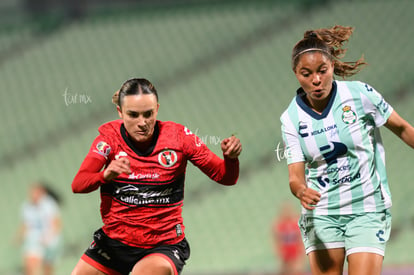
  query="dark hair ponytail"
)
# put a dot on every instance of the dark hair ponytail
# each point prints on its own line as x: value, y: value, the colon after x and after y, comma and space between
x: 134, y: 86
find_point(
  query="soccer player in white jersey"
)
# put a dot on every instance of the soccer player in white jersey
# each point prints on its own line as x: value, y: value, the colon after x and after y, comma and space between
x: 336, y: 159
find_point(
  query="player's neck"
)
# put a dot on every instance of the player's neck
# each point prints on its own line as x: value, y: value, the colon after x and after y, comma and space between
x: 318, y: 106
x: 143, y: 145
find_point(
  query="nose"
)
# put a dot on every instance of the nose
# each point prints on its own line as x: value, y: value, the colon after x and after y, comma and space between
x: 316, y: 80
x: 141, y: 122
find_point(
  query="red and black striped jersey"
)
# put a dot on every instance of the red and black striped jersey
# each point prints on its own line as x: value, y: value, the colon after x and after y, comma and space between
x: 144, y: 208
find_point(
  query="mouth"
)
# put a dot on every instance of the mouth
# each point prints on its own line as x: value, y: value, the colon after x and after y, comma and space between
x: 318, y: 92
x: 141, y: 133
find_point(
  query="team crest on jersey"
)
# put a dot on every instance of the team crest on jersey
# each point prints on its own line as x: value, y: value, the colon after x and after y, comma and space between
x: 167, y: 158
x: 348, y: 116
x: 103, y: 149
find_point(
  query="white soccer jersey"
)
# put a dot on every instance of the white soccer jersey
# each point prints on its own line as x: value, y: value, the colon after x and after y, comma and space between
x: 342, y: 148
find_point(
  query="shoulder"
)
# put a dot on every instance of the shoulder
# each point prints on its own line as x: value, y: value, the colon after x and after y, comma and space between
x: 355, y: 87
x: 109, y: 136
x: 110, y: 128
x: 171, y: 134
x: 367, y: 93
x: 170, y: 125
x: 291, y: 107
x: 172, y: 128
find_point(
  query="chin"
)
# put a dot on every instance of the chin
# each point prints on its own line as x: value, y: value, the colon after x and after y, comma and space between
x: 141, y: 139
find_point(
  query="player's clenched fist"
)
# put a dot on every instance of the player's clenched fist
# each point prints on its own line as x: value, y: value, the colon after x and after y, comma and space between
x: 117, y: 167
x: 231, y: 147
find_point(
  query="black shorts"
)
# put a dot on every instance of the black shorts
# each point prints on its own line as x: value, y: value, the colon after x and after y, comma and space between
x: 113, y: 257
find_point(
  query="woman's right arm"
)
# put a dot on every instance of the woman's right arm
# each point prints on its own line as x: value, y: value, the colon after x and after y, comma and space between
x: 297, y: 183
x: 89, y: 176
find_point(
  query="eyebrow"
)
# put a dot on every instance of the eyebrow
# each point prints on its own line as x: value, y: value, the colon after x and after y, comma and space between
x: 307, y: 69
x: 135, y: 112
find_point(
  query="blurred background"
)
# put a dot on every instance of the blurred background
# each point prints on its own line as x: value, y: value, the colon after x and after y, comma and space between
x: 220, y: 67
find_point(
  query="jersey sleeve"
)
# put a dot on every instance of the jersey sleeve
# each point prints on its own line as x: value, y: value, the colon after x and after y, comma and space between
x: 375, y: 105
x: 292, y: 148
x: 224, y: 171
x: 90, y: 177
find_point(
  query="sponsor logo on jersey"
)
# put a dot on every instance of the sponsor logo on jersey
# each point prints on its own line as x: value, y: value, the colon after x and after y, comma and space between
x: 103, y: 149
x: 304, y: 130
x: 141, y: 176
x: 146, y: 195
x: 333, y: 151
x: 348, y: 116
x: 167, y: 157
x: 348, y: 178
x: 325, y: 181
x: 338, y: 169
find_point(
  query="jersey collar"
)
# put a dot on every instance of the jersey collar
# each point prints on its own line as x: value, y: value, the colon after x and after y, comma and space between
x: 300, y: 95
x: 131, y: 145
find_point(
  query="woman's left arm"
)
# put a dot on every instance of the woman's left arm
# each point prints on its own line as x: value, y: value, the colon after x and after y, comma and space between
x: 401, y: 128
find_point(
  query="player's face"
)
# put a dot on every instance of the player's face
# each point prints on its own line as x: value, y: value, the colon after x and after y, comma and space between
x: 139, y: 113
x: 315, y: 74
x: 36, y: 193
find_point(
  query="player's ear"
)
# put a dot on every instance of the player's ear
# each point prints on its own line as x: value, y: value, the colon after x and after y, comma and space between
x: 119, y: 111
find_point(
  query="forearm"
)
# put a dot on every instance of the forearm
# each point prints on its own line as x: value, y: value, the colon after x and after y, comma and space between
x: 231, y: 172
x: 225, y: 172
x: 297, y: 181
x: 85, y: 182
x: 89, y: 176
x: 407, y: 135
x: 297, y: 187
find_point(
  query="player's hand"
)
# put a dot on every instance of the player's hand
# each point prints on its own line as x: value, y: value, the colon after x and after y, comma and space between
x: 231, y: 147
x: 309, y: 198
x: 117, y: 167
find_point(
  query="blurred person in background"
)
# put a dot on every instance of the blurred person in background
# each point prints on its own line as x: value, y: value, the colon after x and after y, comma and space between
x: 40, y: 232
x: 139, y: 165
x: 336, y: 159
x: 287, y: 241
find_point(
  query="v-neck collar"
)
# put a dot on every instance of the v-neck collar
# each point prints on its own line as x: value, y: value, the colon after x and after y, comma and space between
x: 131, y: 145
x: 300, y: 95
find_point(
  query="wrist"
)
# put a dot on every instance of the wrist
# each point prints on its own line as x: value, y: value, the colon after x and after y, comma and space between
x: 102, y: 178
x: 300, y: 193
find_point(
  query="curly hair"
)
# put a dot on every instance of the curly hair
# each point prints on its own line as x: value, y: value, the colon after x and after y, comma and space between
x: 329, y: 41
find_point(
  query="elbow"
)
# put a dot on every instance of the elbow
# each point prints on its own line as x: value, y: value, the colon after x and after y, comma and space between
x: 76, y: 189
x: 228, y: 183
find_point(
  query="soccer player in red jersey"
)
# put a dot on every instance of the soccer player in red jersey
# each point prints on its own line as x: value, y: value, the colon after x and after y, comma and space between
x: 139, y: 164
x: 288, y: 244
